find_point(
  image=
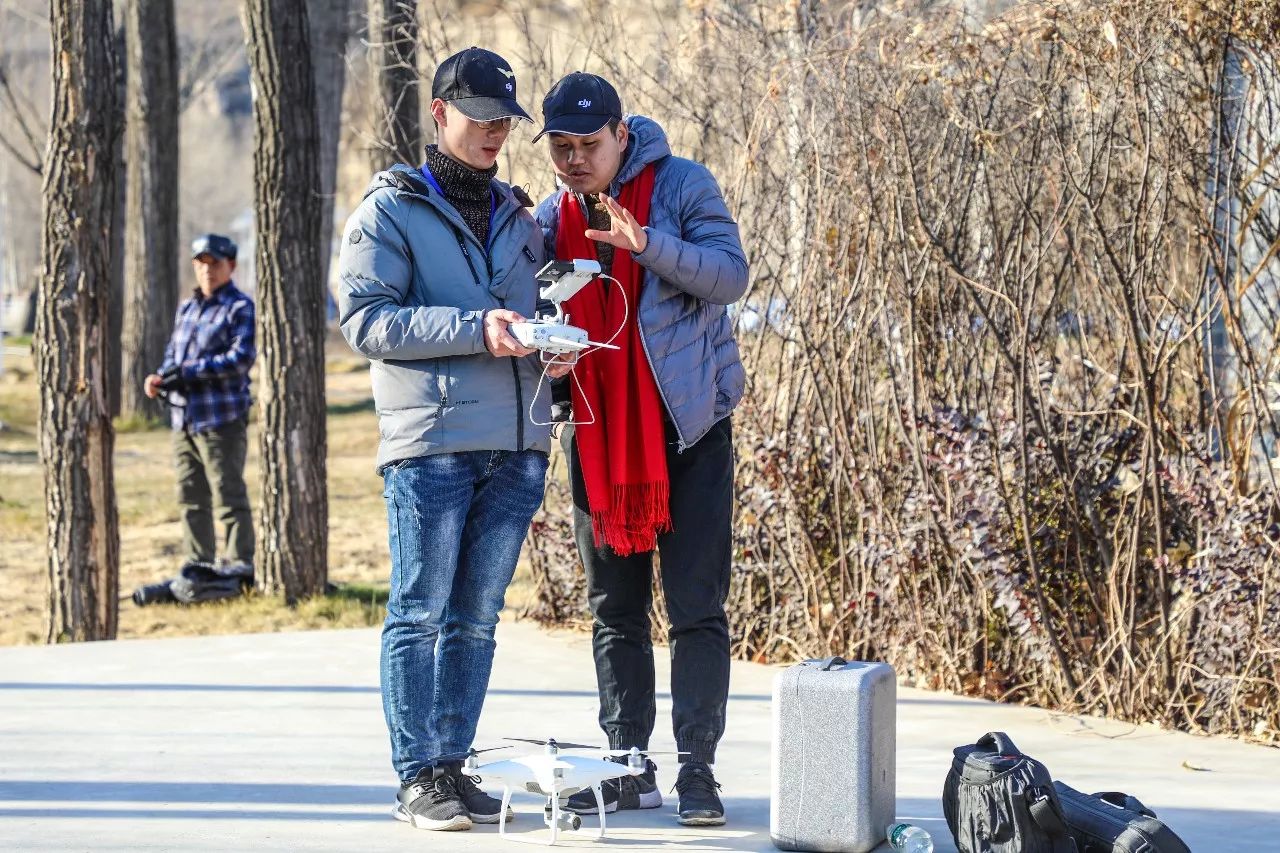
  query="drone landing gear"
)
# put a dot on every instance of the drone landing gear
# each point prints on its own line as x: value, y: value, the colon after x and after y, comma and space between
x: 595, y: 789
x: 554, y: 818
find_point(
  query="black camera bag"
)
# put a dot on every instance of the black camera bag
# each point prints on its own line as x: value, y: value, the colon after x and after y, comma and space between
x: 1111, y: 822
x: 997, y: 800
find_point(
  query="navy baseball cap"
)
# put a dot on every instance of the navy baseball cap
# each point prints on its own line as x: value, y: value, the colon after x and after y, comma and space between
x: 480, y: 84
x: 579, y: 105
x: 213, y: 244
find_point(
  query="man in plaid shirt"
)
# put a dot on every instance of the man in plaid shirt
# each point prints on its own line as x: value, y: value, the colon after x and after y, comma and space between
x: 205, y: 377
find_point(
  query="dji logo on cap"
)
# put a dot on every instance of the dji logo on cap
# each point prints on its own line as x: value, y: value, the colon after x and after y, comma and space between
x: 584, y: 103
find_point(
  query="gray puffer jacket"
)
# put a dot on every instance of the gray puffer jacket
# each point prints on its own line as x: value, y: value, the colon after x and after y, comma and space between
x: 414, y: 285
x: 694, y: 268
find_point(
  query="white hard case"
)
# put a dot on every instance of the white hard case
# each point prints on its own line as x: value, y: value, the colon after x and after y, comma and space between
x: 834, y: 737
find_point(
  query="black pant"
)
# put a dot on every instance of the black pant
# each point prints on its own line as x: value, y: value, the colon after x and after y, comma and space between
x: 695, y: 560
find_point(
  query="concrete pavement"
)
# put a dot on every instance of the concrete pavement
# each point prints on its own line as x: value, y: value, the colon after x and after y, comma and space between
x: 276, y: 742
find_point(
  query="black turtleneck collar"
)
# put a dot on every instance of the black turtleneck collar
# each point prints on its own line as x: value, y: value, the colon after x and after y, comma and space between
x: 457, y: 179
x: 468, y: 190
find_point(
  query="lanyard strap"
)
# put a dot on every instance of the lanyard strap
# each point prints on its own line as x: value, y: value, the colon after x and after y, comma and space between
x: 493, y: 202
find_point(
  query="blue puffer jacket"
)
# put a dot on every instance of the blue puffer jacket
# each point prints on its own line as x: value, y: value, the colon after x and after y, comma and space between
x: 694, y: 268
x: 414, y: 286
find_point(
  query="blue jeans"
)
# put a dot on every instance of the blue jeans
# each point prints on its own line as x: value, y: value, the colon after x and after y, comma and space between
x: 456, y: 523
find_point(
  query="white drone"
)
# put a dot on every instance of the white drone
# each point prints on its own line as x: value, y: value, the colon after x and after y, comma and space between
x: 556, y: 777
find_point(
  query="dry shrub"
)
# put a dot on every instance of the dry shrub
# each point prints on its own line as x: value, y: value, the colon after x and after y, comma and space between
x: 1010, y: 338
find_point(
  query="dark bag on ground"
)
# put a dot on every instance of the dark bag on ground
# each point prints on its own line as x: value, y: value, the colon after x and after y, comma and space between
x: 997, y: 800
x: 197, y: 582
x: 153, y: 593
x: 1111, y: 822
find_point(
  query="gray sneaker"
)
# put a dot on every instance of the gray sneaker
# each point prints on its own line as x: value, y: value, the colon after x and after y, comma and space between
x: 482, y: 807
x: 432, y: 801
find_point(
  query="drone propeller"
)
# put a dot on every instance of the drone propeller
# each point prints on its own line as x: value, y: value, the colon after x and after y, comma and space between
x: 553, y: 743
x: 634, y: 754
x: 451, y: 757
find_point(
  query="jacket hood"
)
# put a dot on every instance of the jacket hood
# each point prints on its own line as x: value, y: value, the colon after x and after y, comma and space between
x: 398, y: 176
x: 648, y: 144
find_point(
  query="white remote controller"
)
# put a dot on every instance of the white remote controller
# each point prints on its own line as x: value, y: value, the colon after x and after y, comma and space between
x: 550, y: 336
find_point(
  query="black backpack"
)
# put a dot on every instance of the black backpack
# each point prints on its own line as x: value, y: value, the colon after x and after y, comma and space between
x: 997, y: 800
x: 1112, y: 822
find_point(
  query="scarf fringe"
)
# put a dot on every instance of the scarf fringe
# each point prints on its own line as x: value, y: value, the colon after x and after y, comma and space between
x: 637, y: 513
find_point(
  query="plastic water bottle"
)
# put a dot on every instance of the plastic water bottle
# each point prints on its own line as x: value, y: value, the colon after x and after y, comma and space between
x: 908, y: 838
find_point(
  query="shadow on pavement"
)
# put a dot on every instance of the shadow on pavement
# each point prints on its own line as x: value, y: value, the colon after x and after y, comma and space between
x: 747, y: 829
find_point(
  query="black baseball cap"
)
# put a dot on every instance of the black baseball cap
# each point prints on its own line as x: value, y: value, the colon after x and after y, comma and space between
x: 480, y: 84
x: 579, y: 105
x: 213, y: 244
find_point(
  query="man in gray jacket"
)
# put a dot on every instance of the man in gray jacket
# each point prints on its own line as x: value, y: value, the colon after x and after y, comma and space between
x: 437, y: 262
x: 654, y: 470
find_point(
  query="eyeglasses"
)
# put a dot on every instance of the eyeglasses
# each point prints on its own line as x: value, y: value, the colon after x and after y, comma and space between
x: 492, y: 124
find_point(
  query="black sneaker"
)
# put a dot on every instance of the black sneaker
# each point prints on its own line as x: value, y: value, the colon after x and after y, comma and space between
x: 482, y: 807
x: 625, y: 792
x: 431, y: 801
x: 699, y: 803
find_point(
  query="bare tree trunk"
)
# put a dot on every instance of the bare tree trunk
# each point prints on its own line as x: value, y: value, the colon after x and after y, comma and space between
x: 115, y: 305
x: 1220, y: 367
x: 393, y: 41
x: 76, y: 439
x: 293, y: 521
x: 329, y: 63
x: 151, y: 274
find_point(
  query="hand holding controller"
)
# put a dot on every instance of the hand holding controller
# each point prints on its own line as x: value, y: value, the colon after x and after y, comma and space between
x: 499, y: 333
x: 560, y: 343
x: 553, y: 334
x: 550, y: 336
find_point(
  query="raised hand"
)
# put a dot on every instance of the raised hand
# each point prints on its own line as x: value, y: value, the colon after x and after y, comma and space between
x: 624, y: 231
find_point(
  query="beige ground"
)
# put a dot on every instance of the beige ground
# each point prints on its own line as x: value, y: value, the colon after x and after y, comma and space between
x: 150, y: 536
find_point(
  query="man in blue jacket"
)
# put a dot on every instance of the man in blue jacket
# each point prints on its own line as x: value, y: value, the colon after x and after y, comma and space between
x: 653, y: 470
x: 205, y: 376
x: 437, y: 262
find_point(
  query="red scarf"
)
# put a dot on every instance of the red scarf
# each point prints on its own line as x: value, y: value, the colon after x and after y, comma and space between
x: 623, y: 454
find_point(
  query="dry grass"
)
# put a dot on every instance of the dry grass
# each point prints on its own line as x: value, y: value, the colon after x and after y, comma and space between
x: 150, y: 535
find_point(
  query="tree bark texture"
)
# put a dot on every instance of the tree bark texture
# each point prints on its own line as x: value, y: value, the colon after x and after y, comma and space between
x: 393, y: 61
x: 75, y: 433
x: 151, y: 235
x: 329, y: 62
x: 115, y: 306
x: 293, y: 502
